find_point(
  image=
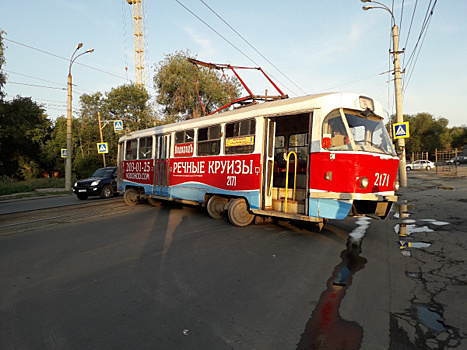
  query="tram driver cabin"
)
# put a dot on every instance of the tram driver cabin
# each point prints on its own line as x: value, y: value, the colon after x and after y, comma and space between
x: 309, y: 158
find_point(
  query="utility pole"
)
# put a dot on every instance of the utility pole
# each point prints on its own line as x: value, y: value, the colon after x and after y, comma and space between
x: 69, y: 121
x: 100, y: 131
x: 399, y: 114
x: 397, y: 88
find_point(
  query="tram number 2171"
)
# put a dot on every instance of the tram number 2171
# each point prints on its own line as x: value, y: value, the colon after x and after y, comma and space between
x: 381, y: 179
x: 231, y: 181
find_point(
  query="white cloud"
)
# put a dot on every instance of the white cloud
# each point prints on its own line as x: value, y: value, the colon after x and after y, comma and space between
x: 207, y: 50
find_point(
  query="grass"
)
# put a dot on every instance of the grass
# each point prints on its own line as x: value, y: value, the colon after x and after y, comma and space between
x: 12, y: 186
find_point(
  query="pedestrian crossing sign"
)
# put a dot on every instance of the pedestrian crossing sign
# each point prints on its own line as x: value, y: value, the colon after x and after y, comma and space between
x: 63, y: 152
x: 102, y: 148
x: 400, y: 130
x: 118, y: 125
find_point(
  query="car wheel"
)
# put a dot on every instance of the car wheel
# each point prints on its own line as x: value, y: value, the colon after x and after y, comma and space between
x: 82, y: 196
x: 107, y: 192
x: 428, y: 168
x: 408, y: 168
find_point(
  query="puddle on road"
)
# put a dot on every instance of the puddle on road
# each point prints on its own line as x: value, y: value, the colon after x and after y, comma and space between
x: 415, y: 275
x: 410, y: 226
x: 445, y: 188
x: 429, y: 318
x: 405, y: 244
x: 404, y: 229
x: 402, y: 210
x: 326, y: 328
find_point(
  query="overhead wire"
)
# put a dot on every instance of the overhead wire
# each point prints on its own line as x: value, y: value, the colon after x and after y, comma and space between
x: 125, y: 44
x: 224, y: 38
x: 63, y: 58
x: 421, y: 38
x: 410, y: 28
x: 254, y: 48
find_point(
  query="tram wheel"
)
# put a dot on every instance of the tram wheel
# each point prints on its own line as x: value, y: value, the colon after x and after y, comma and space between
x: 131, y: 197
x: 154, y: 202
x: 239, y: 214
x: 216, y: 206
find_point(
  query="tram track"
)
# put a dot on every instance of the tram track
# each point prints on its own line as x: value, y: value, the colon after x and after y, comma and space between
x: 12, y: 223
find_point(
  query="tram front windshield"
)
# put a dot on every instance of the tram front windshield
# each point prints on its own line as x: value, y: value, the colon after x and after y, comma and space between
x: 368, y: 133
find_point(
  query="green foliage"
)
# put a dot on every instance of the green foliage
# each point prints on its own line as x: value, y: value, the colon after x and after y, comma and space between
x: 51, y: 151
x: 25, y: 129
x: 28, y: 168
x: 426, y: 133
x: 175, y: 83
x: 129, y: 103
x: 2, y: 63
x: 458, y: 136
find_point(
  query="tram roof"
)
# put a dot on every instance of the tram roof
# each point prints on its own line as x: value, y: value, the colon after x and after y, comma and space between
x: 289, y: 106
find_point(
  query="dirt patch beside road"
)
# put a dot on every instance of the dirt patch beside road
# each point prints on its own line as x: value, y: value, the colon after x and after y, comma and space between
x: 435, y: 220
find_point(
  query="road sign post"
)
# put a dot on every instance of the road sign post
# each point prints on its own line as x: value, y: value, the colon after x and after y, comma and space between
x: 400, y: 130
x: 118, y: 125
x: 102, y: 148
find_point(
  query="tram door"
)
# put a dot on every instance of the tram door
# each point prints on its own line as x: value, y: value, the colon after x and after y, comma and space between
x: 161, y: 177
x: 268, y: 162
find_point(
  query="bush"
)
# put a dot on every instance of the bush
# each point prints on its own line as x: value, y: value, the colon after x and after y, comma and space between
x: 8, y: 186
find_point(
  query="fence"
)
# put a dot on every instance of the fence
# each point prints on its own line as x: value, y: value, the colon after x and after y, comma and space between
x: 446, y: 161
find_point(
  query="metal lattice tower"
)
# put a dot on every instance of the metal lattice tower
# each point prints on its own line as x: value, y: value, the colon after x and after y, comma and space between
x: 138, y: 30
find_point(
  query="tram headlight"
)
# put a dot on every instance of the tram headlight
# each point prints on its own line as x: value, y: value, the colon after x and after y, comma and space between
x: 396, y: 185
x: 363, y: 182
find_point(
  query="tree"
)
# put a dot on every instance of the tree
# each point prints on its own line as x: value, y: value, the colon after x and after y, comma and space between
x: 175, y: 83
x: 131, y: 104
x: 426, y: 133
x: 2, y: 62
x: 458, y: 136
x: 51, y: 152
x: 25, y: 128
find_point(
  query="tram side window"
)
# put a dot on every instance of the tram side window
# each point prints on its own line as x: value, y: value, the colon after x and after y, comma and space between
x: 240, y: 137
x: 184, y: 143
x: 299, y: 144
x: 209, y: 140
x: 184, y: 136
x: 145, y: 148
x: 131, y: 150
x: 279, y: 148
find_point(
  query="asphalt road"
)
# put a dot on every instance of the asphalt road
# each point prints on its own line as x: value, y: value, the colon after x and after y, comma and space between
x: 100, y: 275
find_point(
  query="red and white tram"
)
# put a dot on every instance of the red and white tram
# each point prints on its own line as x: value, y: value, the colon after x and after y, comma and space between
x: 310, y: 158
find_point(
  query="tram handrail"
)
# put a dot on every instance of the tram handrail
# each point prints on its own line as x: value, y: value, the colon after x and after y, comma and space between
x: 287, y: 179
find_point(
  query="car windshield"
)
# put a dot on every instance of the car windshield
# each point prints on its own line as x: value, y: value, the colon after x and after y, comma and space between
x: 368, y: 133
x: 103, y: 172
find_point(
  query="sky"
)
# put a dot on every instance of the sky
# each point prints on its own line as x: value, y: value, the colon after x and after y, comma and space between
x: 307, y: 47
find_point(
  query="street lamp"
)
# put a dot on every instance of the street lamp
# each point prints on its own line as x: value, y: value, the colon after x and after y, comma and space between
x: 397, y: 86
x: 69, y: 151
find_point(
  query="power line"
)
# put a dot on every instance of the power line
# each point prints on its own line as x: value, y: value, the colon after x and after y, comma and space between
x: 249, y: 44
x: 34, y: 85
x: 224, y: 38
x: 421, y: 38
x: 63, y: 58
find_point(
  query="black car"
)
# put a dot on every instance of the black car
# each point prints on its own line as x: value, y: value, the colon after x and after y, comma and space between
x: 102, y: 183
x: 458, y: 160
